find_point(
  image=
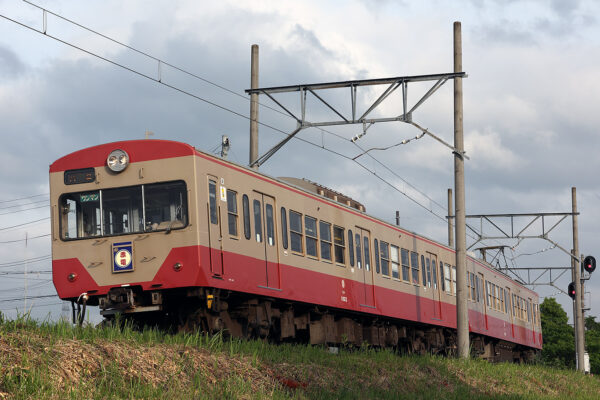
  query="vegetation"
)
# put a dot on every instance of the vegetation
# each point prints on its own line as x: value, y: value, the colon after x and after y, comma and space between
x: 559, y: 337
x: 57, y: 361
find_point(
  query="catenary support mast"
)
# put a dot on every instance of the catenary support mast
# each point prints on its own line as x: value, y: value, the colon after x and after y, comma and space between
x: 254, y: 107
x: 462, y: 311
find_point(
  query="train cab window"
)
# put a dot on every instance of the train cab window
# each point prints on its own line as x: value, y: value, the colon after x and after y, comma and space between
x: 325, y: 234
x: 122, y: 210
x: 246, y: 210
x: 367, y: 251
x: 296, y: 232
x: 80, y: 215
x: 414, y: 266
x: 376, y: 247
x: 351, y: 247
x: 270, y: 224
x: 384, y: 253
x: 125, y: 210
x: 212, y: 202
x: 310, y: 228
x: 284, y: 233
x: 358, y: 250
x: 405, y: 265
x: 232, y: 212
x: 395, y: 259
x: 339, y: 247
x: 257, y: 220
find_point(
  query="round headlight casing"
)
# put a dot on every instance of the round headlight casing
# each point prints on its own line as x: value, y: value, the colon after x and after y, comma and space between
x: 117, y: 160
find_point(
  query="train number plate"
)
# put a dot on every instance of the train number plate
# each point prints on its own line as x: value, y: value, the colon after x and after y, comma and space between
x: 122, y: 257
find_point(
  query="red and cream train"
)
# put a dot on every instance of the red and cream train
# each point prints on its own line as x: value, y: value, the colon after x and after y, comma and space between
x: 161, y: 231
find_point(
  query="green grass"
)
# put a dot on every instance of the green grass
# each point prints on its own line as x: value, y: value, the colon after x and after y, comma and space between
x: 54, y: 360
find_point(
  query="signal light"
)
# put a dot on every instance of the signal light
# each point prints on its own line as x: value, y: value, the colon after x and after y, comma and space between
x: 571, y: 290
x: 589, y: 264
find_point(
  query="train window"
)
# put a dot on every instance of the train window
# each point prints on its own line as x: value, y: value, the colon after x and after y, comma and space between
x: 351, y: 247
x: 339, y: 245
x: 423, y: 272
x: 528, y: 303
x: 395, y: 259
x: 358, y: 251
x: 434, y: 273
x: 384, y: 252
x: 506, y: 300
x: 284, y: 233
x: 488, y: 293
x: 257, y: 220
x: 325, y: 234
x: 501, y: 298
x: 514, y: 302
x: 232, y: 212
x: 270, y: 224
x: 125, y: 210
x: 296, y: 231
x: 405, y: 266
x: 447, y: 279
x: 80, y: 215
x: 442, y: 277
x: 367, y: 252
x: 212, y: 201
x: 428, y: 267
x: 246, y: 210
x: 376, y: 256
x: 414, y: 265
x: 122, y: 210
x: 310, y: 228
x: 471, y: 285
x: 454, y: 280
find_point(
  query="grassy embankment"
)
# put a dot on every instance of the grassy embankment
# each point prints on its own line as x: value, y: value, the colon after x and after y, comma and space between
x: 58, y: 361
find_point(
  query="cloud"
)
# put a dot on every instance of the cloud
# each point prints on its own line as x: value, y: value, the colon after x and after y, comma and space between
x: 10, y: 64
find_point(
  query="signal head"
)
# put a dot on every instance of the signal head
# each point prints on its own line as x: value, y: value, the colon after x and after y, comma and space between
x: 571, y: 290
x: 589, y: 264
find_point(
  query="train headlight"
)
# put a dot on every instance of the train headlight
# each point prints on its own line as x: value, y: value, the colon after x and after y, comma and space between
x: 117, y: 160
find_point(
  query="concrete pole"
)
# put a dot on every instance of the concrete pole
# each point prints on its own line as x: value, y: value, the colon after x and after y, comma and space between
x: 462, y: 311
x: 578, y: 311
x: 450, y: 220
x: 254, y: 106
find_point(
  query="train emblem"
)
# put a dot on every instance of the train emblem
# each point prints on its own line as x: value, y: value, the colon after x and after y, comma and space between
x: 122, y: 257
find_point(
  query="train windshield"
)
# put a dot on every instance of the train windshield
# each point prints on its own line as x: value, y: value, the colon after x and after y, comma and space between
x: 119, y: 211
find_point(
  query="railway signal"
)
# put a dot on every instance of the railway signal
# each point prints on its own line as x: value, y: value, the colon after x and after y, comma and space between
x: 571, y: 290
x: 589, y: 264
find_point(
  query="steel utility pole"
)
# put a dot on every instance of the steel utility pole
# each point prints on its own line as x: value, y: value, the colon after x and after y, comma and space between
x: 577, y: 305
x: 462, y: 311
x: 254, y: 107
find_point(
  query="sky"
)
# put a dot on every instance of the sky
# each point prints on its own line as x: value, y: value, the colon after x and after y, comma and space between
x: 530, y: 109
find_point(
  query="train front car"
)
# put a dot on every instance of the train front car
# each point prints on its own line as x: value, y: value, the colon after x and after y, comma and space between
x: 123, y: 232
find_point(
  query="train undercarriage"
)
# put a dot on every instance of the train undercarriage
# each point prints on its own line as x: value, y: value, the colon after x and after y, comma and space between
x: 243, y: 315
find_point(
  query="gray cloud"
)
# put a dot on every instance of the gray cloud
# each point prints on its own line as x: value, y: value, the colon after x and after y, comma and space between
x: 10, y: 64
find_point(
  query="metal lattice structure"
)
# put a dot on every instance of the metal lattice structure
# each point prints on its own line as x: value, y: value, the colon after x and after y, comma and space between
x: 356, y: 116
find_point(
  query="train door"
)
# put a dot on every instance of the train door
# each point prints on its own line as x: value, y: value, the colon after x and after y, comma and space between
x: 484, y: 298
x: 263, y: 210
x: 362, y: 240
x: 215, y: 237
x: 435, y: 288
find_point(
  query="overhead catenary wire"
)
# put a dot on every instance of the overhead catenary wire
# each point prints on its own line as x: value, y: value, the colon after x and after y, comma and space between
x: 159, y: 80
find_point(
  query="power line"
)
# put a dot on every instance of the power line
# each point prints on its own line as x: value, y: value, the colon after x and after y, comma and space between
x: 23, y: 224
x: 24, y: 261
x: 159, y: 80
x: 24, y: 204
x: 23, y: 240
x: 25, y: 209
x: 28, y: 197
